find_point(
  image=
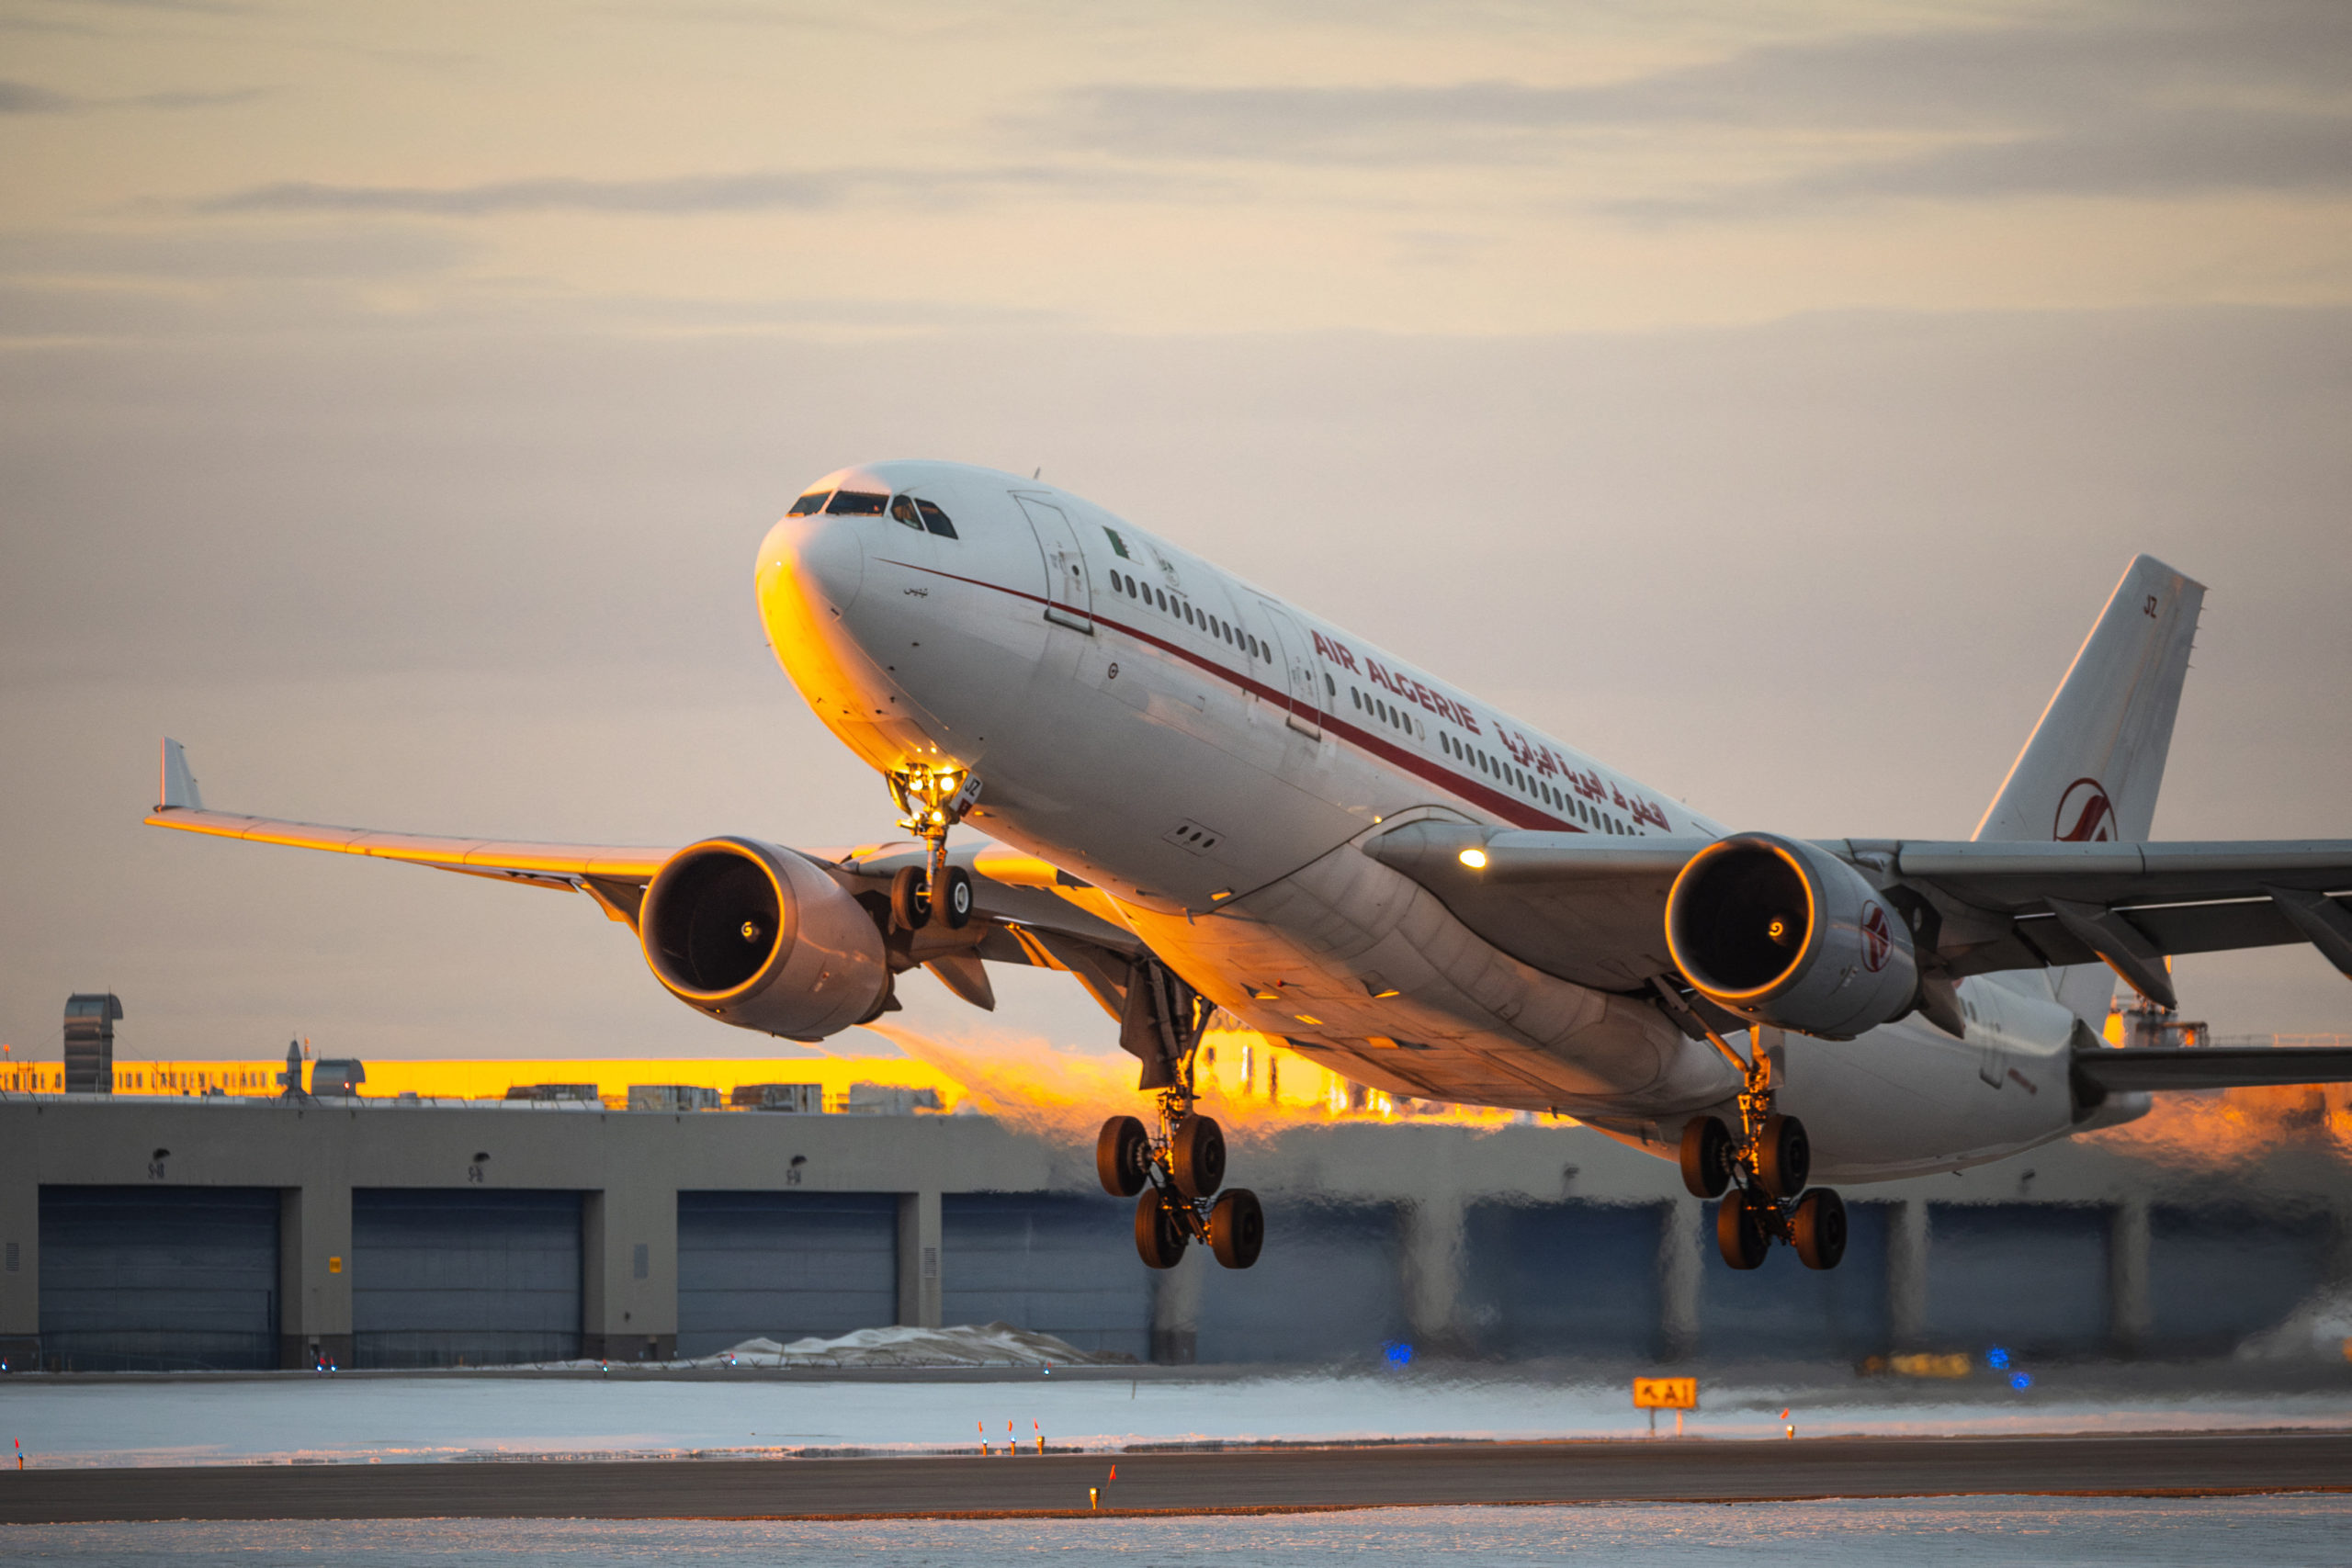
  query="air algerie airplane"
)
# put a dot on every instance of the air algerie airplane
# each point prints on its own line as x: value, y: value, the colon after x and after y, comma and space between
x: 1196, y: 795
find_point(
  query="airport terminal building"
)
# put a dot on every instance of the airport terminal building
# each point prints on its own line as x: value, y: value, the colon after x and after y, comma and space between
x: 252, y: 1231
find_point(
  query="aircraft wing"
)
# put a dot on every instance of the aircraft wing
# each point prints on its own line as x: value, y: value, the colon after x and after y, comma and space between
x: 1024, y: 909
x: 2121, y: 1069
x: 1587, y: 908
x: 1593, y: 910
x: 2010, y: 905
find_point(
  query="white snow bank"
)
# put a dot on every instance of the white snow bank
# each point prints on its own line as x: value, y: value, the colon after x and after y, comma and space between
x: 989, y: 1345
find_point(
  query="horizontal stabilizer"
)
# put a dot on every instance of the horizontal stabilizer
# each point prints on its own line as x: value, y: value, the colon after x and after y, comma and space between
x: 2121, y: 1069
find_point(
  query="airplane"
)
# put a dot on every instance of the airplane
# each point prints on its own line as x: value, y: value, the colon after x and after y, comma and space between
x: 1198, y: 796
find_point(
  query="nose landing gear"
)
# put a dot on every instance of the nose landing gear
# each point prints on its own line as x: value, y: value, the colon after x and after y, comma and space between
x: 934, y: 800
x: 1760, y: 1176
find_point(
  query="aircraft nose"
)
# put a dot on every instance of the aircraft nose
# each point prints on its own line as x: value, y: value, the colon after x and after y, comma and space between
x: 818, y: 560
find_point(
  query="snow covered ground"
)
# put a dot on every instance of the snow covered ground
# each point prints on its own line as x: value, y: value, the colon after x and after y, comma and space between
x: 2046, y: 1532
x: 139, y: 1421
x: 988, y: 1345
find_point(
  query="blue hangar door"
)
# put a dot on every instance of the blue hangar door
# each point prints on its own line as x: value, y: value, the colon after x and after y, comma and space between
x: 463, y: 1276
x: 783, y: 1265
x: 159, y: 1279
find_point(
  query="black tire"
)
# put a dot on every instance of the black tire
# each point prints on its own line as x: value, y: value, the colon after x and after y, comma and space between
x: 956, y: 907
x: 1196, y: 1156
x: 908, y: 908
x: 1160, y: 1236
x: 1237, y: 1228
x: 1784, y: 1161
x: 1739, y: 1231
x: 1819, y: 1228
x: 1123, y: 1156
x: 1706, y: 1156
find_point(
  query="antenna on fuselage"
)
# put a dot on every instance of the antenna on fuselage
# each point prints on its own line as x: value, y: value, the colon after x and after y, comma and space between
x: 1038, y: 472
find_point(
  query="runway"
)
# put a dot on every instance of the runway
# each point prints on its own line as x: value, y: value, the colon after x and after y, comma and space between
x: 1228, y: 1481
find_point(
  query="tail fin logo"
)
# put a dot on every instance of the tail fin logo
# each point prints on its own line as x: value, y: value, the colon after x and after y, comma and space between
x: 2084, y: 815
x: 1877, y: 941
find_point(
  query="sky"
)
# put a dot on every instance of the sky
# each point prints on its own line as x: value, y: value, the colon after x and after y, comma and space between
x: 1762, y: 397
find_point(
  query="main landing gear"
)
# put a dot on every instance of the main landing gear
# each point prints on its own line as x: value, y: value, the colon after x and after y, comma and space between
x: 933, y: 801
x: 1178, y: 1174
x: 1178, y: 1169
x: 1760, y: 1177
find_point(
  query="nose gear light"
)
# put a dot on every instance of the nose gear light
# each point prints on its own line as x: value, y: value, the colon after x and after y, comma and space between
x: 932, y: 800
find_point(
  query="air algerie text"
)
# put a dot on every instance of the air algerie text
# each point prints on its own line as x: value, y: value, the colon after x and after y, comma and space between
x: 1536, y: 759
x: 1403, y: 687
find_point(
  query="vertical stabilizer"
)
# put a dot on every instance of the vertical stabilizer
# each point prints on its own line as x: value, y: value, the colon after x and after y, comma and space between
x: 2090, y: 771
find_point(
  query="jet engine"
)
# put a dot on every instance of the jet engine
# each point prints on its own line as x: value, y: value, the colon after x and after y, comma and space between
x: 760, y: 938
x: 1787, y: 934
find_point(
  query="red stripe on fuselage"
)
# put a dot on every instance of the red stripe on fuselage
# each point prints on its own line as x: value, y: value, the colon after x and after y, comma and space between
x: 1518, y: 813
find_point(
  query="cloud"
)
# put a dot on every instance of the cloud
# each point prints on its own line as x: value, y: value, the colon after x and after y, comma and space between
x: 23, y: 98
x: 754, y: 191
x: 2140, y: 155
x: 354, y: 252
x: 2143, y: 100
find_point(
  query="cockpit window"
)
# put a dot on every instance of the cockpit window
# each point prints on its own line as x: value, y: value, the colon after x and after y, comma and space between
x: 936, y: 520
x: 856, y: 503
x: 810, y: 504
x: 902, y: 508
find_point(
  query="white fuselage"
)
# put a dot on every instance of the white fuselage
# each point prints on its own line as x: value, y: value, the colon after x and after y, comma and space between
x: 1211, y: 758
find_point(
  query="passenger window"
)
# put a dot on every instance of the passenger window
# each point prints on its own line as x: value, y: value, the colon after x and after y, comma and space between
x: 936, y: 520
x: 902, y: 509
x: 856, y: 503
x: 810, y: 504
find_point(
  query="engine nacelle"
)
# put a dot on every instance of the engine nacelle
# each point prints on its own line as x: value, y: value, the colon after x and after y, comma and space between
x: 760, y: 938
x: 1787, y: 934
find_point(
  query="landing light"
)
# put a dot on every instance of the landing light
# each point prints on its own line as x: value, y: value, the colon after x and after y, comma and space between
x: 1475, y: 859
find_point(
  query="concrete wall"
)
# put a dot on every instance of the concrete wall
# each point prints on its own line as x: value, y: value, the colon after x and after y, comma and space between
x: 1529, y: 1240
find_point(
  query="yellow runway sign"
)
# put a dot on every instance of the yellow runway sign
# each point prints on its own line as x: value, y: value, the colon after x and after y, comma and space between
x: 1665, y: 1394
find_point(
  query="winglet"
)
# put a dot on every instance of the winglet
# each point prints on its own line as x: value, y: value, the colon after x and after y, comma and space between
x: 177, y: 791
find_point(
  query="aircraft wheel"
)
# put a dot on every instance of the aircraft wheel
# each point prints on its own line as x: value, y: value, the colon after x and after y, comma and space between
x: 1819, y: 1228
x: 1739, y: 1228
x: 1123, y: 1156
x: 1706, y: 1156
x: 1160, y: 1237
x: 1237, y: 1228
x: 1196, y: 1156
x: 1784, y: 1157
x: 908, y: 908
x: 957, y: 905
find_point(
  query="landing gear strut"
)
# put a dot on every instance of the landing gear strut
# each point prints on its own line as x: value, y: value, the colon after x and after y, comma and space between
x: 1178, y: 1168
x: 1760, y: 1176
x: 934, y: 800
